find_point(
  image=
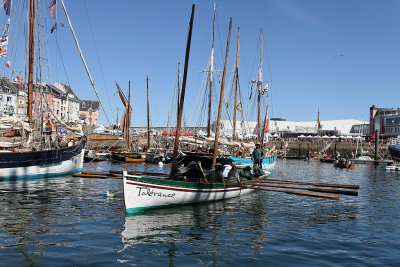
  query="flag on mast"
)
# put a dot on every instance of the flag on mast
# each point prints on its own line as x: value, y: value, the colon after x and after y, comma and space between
x: 319, y: 121
x: 53, y: 9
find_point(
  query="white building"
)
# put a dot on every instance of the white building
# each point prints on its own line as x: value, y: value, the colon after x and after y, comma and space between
x: 249, y: 128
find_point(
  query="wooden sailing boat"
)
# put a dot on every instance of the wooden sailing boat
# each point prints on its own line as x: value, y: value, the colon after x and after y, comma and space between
x: 268, y: 163
x: 30, y: 163
x: 146, y: 192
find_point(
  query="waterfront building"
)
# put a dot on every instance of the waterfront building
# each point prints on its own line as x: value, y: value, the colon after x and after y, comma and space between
x: 384, y: 120
x: 282, y: 127
x: 89, y: 112
x: 8, y: 98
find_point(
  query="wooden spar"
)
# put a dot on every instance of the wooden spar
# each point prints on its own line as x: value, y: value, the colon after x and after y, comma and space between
x: 211, y: 79
x: 276, y: 181
x: 221, y: 98
x: 309, y: 194
x: 182, y: 98
x: 325, y: 190
x: 179, y: 87
x: 31, y: 57
x: 129, y: 117
x: 148, y: 115
x: 141, y: 173
x: 236, y: 87
x: 259, y: 87
x: 265, y: 126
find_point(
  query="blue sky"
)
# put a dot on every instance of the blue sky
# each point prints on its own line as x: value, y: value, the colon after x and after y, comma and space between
x: 339, y: 56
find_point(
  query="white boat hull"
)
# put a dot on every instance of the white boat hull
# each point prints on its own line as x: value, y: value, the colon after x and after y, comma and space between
x: 139, y: 194
x: 71, y: 165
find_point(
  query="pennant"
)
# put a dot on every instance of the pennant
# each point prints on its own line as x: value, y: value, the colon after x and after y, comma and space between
x: 20, y: 84
x: 13, y: 72
x: 319, y: 121
x: 7, y: 6
x: 53, y: 9
x: 3, y: 51
x: 239, y: 106
x: 4, y: 40
x: 6, y: 27
x: 8, y: 64
x: 266, y: 126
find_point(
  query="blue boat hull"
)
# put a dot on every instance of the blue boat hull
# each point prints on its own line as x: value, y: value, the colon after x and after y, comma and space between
x: 267, y: 163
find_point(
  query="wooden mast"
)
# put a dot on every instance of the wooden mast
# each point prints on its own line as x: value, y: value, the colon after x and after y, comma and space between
x: 259, y: 87
x: 148, y: 115
x: 236, y: 87
x: 129, y: 116
x: 211, y: 79
x: 182, y: 96
x: 221, y: 98
x: 31, y: 57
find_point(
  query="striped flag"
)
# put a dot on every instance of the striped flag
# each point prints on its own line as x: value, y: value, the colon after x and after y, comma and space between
x: 53, y: 9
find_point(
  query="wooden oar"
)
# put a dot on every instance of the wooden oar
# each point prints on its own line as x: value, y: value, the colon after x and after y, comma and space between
x: 141, y: 173
x: 277, y: 181
x: 309, y: 194
x: 326, y: 190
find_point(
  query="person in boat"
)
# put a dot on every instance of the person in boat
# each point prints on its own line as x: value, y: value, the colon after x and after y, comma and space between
x: 258, y: 172
x: 194, y: 173
x: 245, y: 173
x: 257, y: 156
x: 233, y: 176
x: 241, y: 150
x: 215, y: 176
x: 178, y: 175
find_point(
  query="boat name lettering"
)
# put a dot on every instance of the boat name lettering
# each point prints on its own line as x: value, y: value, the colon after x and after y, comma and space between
x: 143, y: 191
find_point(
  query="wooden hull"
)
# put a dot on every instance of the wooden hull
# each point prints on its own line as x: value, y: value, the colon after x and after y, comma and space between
x: 131, y: 160
x: 142, y: 193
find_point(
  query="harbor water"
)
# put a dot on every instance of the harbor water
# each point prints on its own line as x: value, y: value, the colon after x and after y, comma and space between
x: 69, y: 221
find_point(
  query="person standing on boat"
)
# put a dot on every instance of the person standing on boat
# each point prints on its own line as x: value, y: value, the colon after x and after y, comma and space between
x: 257, y: 156
x: 195, y: 173
x: 215, y: 176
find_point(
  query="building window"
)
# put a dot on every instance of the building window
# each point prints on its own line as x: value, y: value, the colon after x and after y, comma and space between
x: 8, y: 98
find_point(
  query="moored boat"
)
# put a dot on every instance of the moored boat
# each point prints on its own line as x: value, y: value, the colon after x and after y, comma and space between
x: 344, y: 165
x: 42, y: 164
x: 267, y: 163
x: 145, y: 192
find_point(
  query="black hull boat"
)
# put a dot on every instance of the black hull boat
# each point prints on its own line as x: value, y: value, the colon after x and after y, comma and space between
x: 394, y: 151
x: 42, y: 164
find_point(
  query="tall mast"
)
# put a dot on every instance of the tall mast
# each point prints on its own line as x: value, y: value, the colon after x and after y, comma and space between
x: 259, y: 89
x: 221, y: 98
x: 179, y: 86
x: 129, y: 116
x: 182, y: 95
x: 31, y: 57
x: 148, y: 115
x: 211, y: 79
x: 236, y: 87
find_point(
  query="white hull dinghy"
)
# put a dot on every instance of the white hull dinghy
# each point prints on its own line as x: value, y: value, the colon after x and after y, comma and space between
x: 143, y: 192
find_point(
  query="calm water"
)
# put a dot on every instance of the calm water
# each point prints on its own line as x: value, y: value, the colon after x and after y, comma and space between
x: 71, y: 221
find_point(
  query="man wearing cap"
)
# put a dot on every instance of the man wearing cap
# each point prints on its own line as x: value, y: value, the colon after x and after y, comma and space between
x: 195, y: 174
x: 215, y: 176
x: 257, y: 156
